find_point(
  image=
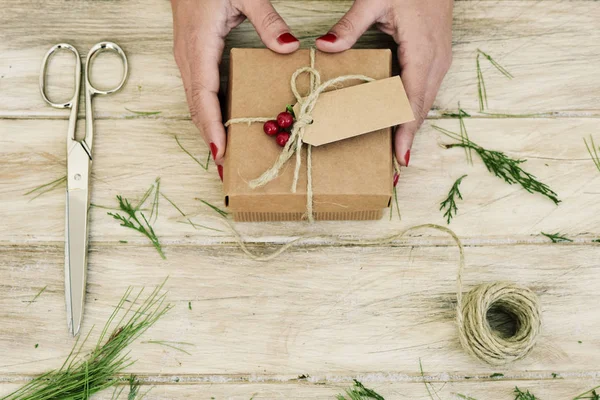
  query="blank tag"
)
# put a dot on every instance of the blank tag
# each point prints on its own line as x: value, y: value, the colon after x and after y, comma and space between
x: 355, y: 110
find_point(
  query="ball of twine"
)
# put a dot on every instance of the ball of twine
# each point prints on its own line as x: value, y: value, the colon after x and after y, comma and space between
x: 477, y: 335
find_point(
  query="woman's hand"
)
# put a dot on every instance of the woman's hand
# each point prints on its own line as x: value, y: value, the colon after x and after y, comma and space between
x: 423, y: 31
x: 199, y: 30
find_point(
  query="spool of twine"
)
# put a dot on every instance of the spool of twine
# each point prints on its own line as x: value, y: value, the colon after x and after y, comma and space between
x: 475, y: 333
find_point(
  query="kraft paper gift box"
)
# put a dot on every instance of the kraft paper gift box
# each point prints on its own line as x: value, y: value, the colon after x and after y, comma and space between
x: 351, y: 177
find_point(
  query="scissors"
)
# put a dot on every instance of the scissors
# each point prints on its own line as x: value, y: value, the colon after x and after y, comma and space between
x: 79, y: 163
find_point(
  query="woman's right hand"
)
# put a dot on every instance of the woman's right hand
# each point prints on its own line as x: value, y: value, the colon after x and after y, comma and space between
x: 199, y: 31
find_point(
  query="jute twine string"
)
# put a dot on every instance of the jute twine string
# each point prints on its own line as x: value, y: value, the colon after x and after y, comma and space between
x: 303, y: 118
x: 474, y: 331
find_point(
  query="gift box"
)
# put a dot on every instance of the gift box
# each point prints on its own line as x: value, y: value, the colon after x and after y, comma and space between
x: 351, y: 178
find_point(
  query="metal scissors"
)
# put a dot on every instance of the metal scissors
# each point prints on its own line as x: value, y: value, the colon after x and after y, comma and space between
x: 79, y: 163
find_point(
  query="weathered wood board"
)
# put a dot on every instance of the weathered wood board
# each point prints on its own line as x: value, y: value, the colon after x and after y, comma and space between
x: 331, y: 312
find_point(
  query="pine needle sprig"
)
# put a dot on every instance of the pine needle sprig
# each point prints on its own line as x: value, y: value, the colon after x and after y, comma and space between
x: 203, y: 166
x: 481, y: 90
x: 189, y: 221
x: 593, y: 150
x: 38, y: 294
x: 556, y: 237
x: 397, y: 205
x: 82, y: 376
x: 359, y: 392
x: 502, y: 166
x: 591, y: 394
x: 427, y: 383
x: 47, y: 187
x: 450, y: 203
x: 131, y: 220
x: 222, y: 213
x: 172, y: 345
x: 464, y: 135
x: 520, y: 395
x: 141, y: 113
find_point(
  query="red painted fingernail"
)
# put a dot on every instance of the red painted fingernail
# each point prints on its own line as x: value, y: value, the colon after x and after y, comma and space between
x: 330, y: 37
x: 396, y: 177
x: 220, y: 169
x: 407, y: 157
x: 214, y: 150
x: 286, y: 38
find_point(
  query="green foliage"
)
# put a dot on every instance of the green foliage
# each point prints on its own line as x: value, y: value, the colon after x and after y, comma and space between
x: 593, y: 150
x: 519, y: 395
x: 42, y: 290
x: 556, y: 237
x: 141, y: 113
x: 204, y: 165
x: 81, y: 376
x: 46, y: 187
x: 215, y: 208
x: 502, y: 166
x: 172, y: 345
x: 359, y: 392
x: 481, y: 90
x: 450, y: 202
x: 131, y: 220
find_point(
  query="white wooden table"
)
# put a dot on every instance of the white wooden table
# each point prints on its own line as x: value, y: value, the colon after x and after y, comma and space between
x: 329, y: 313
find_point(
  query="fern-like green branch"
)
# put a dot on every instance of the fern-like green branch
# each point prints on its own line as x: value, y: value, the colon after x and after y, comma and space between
x: 556, y: 237
x: 502, y: 166
x: 359, y: 392
x: 450, y: 203
x: 520, y: 395
x: 131, y: 220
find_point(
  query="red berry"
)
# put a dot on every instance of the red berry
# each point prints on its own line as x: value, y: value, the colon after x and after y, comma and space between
x: 282, y: 138
x: 271, y: 128
x: 285, y: 120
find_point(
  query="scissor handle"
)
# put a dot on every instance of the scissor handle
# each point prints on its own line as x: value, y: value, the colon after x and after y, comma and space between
x: 75, y: 98
x: 94, y: 51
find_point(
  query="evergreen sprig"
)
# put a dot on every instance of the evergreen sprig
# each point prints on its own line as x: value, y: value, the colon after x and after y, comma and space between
x: 359, y: 392
x: 593, y: 150
x: 47, y: 187
x: 481, y: 90
x: 556, y: 237
x: 502, y: 166
x: 450, y: 203
x: 81, y: 376
x: 591, y: 394
x: 203, y: 166
x: 131, y: 220
x: 520, y: 395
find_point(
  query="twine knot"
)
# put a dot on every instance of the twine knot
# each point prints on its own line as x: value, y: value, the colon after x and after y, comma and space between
x: 303, y: 118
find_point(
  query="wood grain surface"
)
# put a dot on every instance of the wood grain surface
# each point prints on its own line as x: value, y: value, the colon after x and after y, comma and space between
x: 305, y: 324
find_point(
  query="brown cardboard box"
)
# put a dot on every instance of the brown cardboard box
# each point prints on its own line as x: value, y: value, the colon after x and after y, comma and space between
x: 352, y: 178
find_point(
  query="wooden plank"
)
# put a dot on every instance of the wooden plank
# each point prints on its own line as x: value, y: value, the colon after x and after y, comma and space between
x: 330, y: 312
x: 551, y: 47
x: 129, y: 155
x: 497, y: 390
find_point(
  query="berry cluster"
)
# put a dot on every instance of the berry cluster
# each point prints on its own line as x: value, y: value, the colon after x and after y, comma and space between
x: 280, y: 128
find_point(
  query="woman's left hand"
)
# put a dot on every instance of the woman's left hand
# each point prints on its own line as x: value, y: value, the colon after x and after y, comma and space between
x: 423, y: 31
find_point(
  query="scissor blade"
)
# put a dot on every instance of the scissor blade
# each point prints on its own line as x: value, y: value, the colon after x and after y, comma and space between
x: 76, y: 239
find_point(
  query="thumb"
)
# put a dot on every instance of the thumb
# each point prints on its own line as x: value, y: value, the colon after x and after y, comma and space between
x: 269, y: 25
x: 350, y: 27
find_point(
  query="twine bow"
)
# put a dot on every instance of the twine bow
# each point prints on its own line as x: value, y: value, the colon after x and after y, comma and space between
x: 303, y: 118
